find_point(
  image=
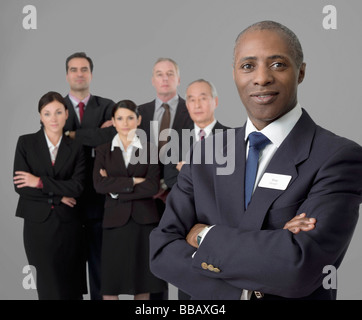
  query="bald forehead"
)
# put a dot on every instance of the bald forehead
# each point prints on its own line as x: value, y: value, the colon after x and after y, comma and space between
x: 165, y: 66
x: 292, y: 43
x: 249, y: 32
x: 198, y: 88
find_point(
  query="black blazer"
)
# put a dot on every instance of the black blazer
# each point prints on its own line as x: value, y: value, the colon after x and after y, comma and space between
x: 133, y: 200
x: 181, y: 121
x: 170, y: 171
x: 65, y: 178
x: 182, y: 118
x: 90, y: 134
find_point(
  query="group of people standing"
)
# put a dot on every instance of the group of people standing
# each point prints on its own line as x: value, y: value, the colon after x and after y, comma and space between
x: 81, y: 195
x: 265, y: 231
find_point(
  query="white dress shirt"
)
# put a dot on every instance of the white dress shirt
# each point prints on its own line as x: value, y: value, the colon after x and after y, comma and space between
x: 207, y: 130
x: 276, y: 132
x: 52, y: 147
x: 117, y: 143
x: 75, y: 101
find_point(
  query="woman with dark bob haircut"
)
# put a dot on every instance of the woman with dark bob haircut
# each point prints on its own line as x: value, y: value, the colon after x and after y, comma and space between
x: 48, y: 176
x: 123, y: 171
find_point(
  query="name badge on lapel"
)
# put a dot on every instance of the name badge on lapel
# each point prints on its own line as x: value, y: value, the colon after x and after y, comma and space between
x: 274, y: 181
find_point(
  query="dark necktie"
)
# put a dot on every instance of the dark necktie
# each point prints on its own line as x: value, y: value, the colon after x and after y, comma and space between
x: 257, y: 142
x: 165, y: 123
x: 81, y: 111
x: 202, y: 134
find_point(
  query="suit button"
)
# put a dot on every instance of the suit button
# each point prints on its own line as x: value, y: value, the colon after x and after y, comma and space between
x: 210, y: 267
x: 217, y: 270
x: 50, y: 201
x: 204, y: 265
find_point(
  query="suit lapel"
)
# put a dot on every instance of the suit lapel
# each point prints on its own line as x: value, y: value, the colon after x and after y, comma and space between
x: 231, y: 186
x: 41, y: 148
x: 72, y: 121
x: 295, y: 149
x: 117, y: 161
x: 147, y: 117
x: 137, y: 157
x: 137, y: 154
x: 88, y: 117
x: 180, y: 116
x: 217, y: 126
x: 89, y: 113
x: 63, y: 154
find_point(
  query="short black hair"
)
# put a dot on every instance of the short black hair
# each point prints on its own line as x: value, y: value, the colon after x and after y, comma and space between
x: 79, y: 55
x: 290, y: 36
x: 127, y: 104
x: 50, y: 97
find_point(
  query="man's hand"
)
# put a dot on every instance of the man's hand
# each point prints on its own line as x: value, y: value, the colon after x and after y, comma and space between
x: 71, y: 134
x: 295, y: 225
x: 103, y: 173
x: 191, y: 237
x: 300, y: 223
x: 179, y: 165
x: 107, y: 124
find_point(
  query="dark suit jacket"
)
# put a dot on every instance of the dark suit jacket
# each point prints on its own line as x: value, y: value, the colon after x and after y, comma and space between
x: 170, y: 171
x: 250, y: 248
x: 65, y: 178
x: 133, y: 200
x: 182, y: 118
x: 181, y: 121
x: 90, y: 134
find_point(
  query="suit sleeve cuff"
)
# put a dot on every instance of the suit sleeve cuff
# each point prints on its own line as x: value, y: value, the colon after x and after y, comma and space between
x: 201, y: 236
x: 40, y: 184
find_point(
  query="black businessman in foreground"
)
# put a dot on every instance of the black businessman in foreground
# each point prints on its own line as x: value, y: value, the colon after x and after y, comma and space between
x: 227, y: 236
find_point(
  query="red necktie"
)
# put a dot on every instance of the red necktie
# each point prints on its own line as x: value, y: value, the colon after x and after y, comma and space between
x: 81, y: 111
x: 202, y: 134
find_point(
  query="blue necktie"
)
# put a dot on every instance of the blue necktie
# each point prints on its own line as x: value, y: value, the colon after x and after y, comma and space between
x: 257, y: 142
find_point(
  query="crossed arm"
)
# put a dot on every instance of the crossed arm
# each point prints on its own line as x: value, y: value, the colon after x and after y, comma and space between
x: 26, y: 179
x: 35, y: 187
x: 299, y: 223
x: 285, y: 262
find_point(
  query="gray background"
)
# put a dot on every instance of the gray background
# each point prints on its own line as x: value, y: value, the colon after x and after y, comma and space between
x: 124, y: 38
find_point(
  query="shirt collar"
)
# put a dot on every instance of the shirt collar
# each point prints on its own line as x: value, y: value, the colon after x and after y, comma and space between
x: 116, y: 142
x: 49, y: 144
x: 173, y: 102
x: 76, y: 101
x: 278, y: 130
x: 207, y: 129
